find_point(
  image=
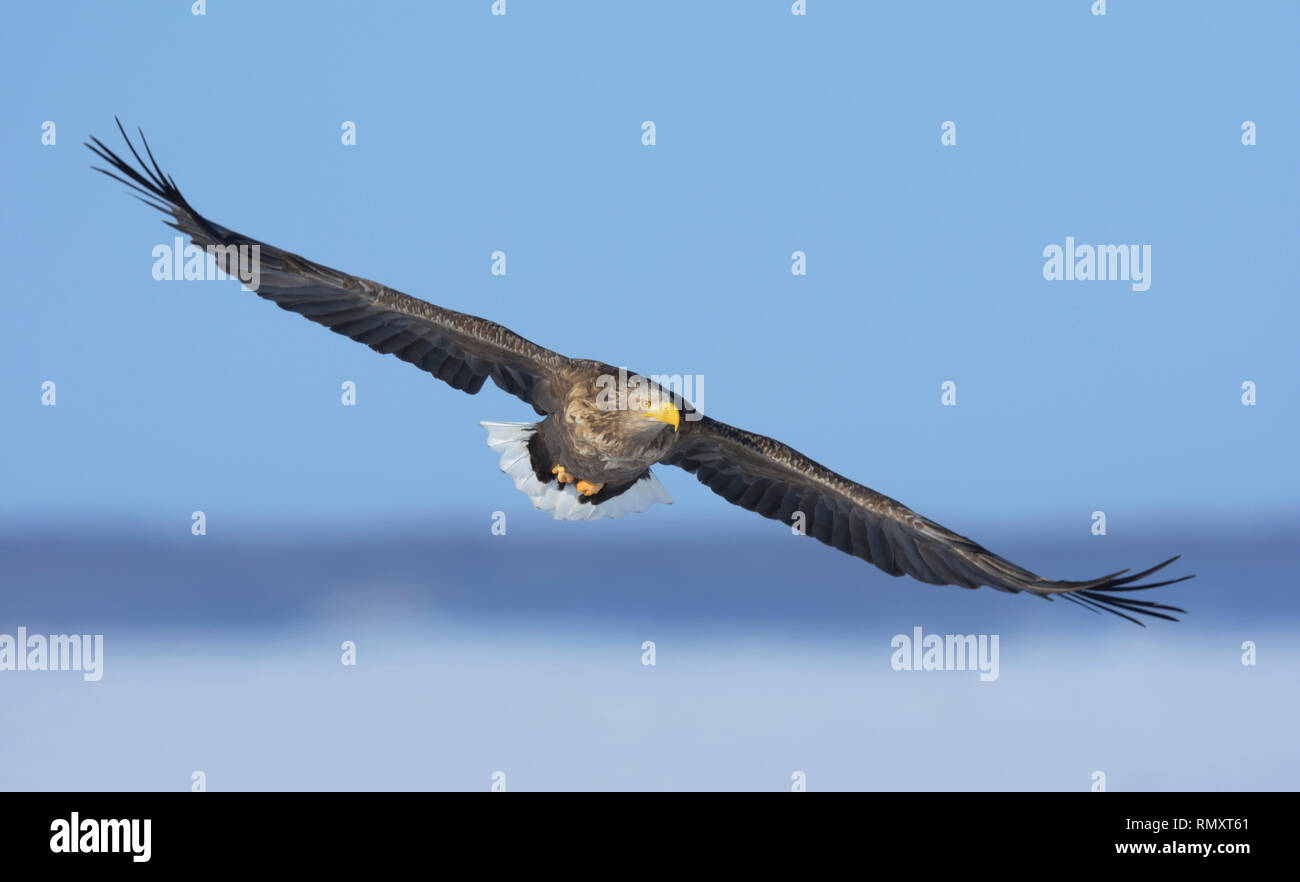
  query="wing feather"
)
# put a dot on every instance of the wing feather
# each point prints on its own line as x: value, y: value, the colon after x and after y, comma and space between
x: 776, y: 481
x: 459, y: 349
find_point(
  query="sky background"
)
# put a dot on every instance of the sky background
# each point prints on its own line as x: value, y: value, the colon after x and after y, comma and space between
x: 775, y: 133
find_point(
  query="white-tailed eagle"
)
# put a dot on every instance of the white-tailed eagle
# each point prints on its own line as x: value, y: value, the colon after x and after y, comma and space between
x: 591, y: 454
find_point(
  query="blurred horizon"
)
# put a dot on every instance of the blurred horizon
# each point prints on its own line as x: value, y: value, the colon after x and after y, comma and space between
x: 672, y: 572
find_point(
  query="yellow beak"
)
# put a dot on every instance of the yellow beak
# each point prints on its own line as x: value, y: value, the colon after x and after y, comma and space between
x: 664, y: 412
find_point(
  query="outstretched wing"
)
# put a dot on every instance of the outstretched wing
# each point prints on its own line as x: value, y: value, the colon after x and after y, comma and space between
x: 766, y: 476
x: 462, y: 350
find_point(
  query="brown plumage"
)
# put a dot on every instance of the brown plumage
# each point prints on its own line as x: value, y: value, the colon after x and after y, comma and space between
x: 610, y: 448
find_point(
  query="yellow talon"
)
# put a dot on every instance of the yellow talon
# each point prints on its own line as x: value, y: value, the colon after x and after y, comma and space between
x: 586, y: 488
x: 562, y: 475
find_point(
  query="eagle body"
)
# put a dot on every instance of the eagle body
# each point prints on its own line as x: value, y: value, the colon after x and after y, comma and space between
x: 602, y: 439
x: 523, y: 458
x: 602, y: 429
x: 605, y: 442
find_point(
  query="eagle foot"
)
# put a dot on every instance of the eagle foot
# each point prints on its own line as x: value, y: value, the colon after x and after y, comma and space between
x: 586, y: 488
x: 562, y: 475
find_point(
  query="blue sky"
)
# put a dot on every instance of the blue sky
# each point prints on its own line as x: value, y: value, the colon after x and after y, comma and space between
x: 774, y: 133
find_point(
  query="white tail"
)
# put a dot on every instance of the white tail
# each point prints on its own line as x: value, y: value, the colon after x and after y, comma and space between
x: 562, y: 500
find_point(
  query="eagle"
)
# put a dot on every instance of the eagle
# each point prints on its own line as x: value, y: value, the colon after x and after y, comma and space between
x: 603, y: 428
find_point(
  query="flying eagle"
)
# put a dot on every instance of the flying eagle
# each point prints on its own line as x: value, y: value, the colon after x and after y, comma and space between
x: 591, y: 454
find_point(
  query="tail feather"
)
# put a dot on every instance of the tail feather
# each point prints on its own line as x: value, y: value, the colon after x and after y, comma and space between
x: 562, y: 500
